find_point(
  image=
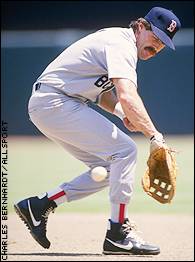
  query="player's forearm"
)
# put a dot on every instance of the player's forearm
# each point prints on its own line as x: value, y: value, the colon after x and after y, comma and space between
x: 137, y: 115
x: 134, y: 108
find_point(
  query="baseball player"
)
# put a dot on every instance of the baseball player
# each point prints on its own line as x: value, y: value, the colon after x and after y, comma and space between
x: 100, y: 68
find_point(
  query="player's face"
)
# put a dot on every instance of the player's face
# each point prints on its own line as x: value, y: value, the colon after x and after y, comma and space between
x: 148, y: 45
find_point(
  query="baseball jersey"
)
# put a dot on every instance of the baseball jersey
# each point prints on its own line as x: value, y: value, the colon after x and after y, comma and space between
x: 85, y: 68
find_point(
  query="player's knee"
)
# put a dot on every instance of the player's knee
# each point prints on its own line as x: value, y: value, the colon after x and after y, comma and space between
x: 127, y: 153
x: 131, y: 150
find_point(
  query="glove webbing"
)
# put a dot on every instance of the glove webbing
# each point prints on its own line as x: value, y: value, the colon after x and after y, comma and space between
x: 160, y: 190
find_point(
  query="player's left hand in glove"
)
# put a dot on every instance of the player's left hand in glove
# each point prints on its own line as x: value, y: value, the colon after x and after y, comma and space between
x: 159, y: 180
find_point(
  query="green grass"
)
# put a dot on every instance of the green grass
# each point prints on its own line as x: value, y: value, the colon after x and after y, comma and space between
x: 37, y: 165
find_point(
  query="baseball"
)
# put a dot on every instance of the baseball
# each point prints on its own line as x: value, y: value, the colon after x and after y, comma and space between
x: 98, y: 173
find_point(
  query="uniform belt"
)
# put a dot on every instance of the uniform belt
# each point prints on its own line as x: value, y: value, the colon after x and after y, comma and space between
x: 44, y: 88
x: 37, y: 86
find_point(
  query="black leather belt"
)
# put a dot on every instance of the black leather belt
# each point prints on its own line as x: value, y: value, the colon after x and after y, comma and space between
x: 37, y: 86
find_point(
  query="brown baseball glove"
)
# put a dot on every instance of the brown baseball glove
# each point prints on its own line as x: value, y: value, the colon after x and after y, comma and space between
x: 159, y: 180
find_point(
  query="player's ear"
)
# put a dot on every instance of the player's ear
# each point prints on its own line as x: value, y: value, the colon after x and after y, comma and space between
x: 140, y: 27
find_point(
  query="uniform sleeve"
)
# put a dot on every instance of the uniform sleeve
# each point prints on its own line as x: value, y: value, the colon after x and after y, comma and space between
x: 121, y: 62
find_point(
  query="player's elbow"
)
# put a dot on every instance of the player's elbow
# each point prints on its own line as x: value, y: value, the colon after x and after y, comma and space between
x: 126, y: 101
x: 123, y: 98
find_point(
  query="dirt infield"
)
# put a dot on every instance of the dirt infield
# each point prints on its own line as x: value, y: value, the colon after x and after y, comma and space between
x: 79, y: 237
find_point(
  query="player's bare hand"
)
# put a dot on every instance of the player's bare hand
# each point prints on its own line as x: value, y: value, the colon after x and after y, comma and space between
x: 129, y: 125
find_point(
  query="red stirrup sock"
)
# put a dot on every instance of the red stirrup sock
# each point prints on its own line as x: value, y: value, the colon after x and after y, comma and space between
x: 57, y: 195
x: 118, y: 212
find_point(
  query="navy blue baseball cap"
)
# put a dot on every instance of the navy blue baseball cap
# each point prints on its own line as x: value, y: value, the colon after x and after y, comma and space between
x: 164, y: 24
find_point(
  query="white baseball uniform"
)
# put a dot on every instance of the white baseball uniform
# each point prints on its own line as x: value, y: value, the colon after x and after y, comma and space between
x: 59, y: 109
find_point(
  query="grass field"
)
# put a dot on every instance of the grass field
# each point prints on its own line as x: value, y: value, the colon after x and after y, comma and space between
x: 37, y: 165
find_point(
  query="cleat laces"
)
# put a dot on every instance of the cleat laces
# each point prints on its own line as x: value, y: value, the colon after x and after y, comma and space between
x: 45, y: 216
x: 130, y: 229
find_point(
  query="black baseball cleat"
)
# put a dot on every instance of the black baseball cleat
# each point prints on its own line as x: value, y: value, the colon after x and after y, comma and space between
x: 34, y: 212
x: 122, y: 239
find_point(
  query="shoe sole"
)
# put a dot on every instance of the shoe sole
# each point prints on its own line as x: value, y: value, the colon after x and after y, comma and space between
x: 25, y: 220
x: 130, y: 253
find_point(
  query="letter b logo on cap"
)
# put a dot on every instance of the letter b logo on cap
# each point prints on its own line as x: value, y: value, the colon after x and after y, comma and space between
x: 172, y: 26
